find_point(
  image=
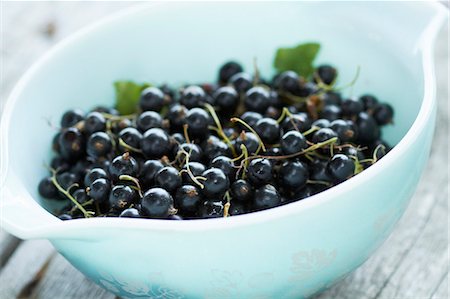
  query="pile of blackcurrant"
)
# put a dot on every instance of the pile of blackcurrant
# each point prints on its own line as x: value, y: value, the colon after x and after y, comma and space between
x: 240, y: 145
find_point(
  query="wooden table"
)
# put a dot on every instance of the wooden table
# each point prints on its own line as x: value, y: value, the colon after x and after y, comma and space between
x: 412, y: 263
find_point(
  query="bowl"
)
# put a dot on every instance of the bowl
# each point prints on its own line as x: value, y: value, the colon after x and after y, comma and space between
x: 290, y: 251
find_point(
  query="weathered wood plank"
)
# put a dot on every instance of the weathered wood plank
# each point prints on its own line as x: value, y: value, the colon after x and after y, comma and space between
x: 441, y: 291
x: 62, y: 279
x: 412, y: 262
x: 8, y: 244
x: 24, y: 268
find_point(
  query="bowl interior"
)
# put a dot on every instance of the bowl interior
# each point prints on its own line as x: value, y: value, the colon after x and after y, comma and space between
x: 180, y: 43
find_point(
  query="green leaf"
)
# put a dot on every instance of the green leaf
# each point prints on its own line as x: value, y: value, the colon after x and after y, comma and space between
x: 127, y: 95
x: 298, y: 59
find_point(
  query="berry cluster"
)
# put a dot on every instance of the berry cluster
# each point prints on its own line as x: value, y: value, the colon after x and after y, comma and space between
x: 215, y: 150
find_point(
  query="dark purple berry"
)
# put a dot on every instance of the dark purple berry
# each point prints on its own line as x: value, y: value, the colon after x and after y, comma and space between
x: 187, y: 198
x: 121, y: 197
x: 157, y: 202
x: 216, y: 183
x: 148, y: 120
x: 293, y: 142
x: 47, y: 189
x: 259, y: 171
x: 228, y: 70
x: 341, y: 167
x: 155, y: 143
x: 99, y: 145
x: 71, y: 118
x: 152, y: 99
x: 266, y: 197
x: 168, y: 178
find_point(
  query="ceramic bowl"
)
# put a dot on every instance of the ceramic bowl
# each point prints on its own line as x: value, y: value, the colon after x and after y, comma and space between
x: 290, y: 251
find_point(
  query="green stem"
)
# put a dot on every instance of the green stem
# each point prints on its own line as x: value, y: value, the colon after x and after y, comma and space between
x: 188, y: 169
x: 68, y: 195
x: 261, y: 143
x: 126, y: 177
x: 129, y: 147
x: 311, y: 130
x: 220, y: 129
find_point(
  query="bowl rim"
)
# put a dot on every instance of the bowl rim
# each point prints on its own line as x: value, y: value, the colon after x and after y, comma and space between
x: 426, y: 47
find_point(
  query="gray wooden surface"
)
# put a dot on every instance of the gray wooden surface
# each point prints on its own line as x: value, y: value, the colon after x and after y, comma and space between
x: 412, y: 263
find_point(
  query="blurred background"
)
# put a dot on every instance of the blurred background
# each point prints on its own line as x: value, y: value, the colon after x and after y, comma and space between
x: 412, y: 263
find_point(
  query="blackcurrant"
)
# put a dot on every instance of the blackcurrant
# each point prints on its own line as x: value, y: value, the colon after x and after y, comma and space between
x: 241, y: 190
x: 152, y: 99
x: 266, y: 197
x: 383, y: 114
x: 148, y: 120
x: 326, y: 73
x: 268, y: 130
x: 341, y: 167
x: 155, y: 143
x: 214, y: 147
x: 47, y: 189
x: 287, y: 81
x: 71, y: 118
x: 226, y: 164
x: 156, y: 202
x: 187, y: 198
x: 241, y: 82
x: 149, y: 170
x: 168, y: 178
x: 293, y: 142
x: 293, y: 174
x: 123, y: 165
x: 132, y: 137
x: 72, y: 144
x: 99, y: 190
x: 198, y: 120
x: 130, y: 213
x: 94, y: 122
x: 227, y: 99
x: 259, y: 171
x: 193, y: 96
x: 99, y: 145
x: 93, y: 174
x: 210, y: 209
x: 257, y: 99
x: 216, y: 183
x: 121, y: 197
x: 227, y: 70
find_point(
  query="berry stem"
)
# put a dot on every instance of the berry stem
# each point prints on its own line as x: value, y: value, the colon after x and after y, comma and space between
x: 261, y: 143
x: 188, y: 169
x: 358, y: 69
x: 318, y: 182
x: 307, y: 150
x: 220, y: 129
x: 68, y: 195
x: 285, y: 112
x: 128, y: 147
x: 126, y: 177
x: 227, y: 205
x: 312, y: 130
x: 113, y: 117
x: 91, y: 201
x: 380, y: 147
x: 185, y: 132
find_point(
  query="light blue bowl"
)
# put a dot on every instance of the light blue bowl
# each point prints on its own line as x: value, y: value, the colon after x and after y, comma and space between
x: 287, y: 252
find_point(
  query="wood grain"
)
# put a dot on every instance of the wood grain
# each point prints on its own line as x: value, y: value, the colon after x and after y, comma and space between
x: 412, y: 263
x: 24, y: 267
x: 63, y: 278
x: 8, y: 244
